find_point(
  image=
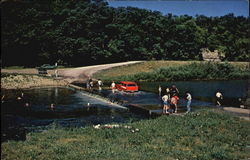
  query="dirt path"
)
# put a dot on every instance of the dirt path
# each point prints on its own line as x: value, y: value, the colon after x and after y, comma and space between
x: 81, y: 74
x: 242, y: 113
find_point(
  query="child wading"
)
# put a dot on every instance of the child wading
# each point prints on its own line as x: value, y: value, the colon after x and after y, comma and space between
x: 166, y: 104
x: 189, y: 98
x: 174, y: 101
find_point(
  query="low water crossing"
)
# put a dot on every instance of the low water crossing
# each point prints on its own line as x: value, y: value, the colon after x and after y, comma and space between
x: 75, y: 109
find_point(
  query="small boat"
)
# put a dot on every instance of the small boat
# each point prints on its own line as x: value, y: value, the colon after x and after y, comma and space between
x: 127, y: 86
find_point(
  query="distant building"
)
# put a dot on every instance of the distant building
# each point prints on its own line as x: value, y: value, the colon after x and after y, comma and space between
x: 207, y: 55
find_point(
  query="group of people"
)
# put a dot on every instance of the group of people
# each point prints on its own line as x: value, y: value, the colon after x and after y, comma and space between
x: 170, y: 100
x: 90, y: 84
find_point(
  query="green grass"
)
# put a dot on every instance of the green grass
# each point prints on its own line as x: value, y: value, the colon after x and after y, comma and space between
x: 203, y: 135
x: 131, y: 69
x: 174, y: 70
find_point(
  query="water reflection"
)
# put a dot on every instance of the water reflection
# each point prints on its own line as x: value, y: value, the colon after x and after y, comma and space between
x: 74, y: 109
x: 204, y: 90
x: 71, y: 110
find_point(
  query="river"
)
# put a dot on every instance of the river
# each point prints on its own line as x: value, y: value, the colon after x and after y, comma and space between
x: 75, y: 109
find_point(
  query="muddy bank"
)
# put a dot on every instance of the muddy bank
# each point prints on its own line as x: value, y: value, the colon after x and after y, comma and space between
x: 13, y: 81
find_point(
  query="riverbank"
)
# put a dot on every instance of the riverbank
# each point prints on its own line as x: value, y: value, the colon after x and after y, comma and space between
x: 15, y: 81
x: 206, y: 134
x: 176, y: 71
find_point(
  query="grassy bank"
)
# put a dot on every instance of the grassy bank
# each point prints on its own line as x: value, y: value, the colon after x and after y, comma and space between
x: 15, y: 81
x: 177, y: 70
x: 202, y: 135
x: 147, y: 66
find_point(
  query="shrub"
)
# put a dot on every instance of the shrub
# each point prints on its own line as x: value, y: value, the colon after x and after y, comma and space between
x: 193, y: 71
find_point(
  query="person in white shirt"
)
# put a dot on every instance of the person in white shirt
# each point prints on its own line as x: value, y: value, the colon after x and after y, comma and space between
x: 99, y: 82
x: 189, y: 99
x: 113, y: 87
x: 166, y: 104
x: 159, y: 89
x: 219, y: 98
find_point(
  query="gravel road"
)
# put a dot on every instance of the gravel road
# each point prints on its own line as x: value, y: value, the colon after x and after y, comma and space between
x: 79, y: 74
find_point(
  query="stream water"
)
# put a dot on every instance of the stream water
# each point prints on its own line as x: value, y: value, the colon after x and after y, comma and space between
x: 72, y: 109
x: 204, y: 91
x: 75, y: 109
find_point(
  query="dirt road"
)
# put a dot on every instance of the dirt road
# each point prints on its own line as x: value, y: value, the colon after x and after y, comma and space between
x: 81, y: 74
x: 242, y: 113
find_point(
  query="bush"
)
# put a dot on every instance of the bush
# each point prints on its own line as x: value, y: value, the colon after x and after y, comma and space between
x: 193, y: 71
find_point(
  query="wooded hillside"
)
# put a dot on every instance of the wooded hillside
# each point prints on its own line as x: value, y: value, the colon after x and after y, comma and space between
x: 78, y: 33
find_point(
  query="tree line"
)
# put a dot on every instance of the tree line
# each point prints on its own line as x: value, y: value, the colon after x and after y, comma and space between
x: 85, y: 32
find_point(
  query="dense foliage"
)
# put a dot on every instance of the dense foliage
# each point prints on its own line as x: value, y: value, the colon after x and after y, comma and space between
x: 202, y: 135
x: 84, y: 32
x: 193, y: 71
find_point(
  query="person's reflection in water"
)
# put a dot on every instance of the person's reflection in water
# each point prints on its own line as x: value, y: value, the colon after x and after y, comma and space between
x: 52, y: 107
x: 88, y: 106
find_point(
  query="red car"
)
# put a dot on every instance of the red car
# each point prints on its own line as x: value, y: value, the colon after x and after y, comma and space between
x: 127, y: 86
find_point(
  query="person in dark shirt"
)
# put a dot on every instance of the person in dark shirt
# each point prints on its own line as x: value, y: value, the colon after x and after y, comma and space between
x: 174, y: 91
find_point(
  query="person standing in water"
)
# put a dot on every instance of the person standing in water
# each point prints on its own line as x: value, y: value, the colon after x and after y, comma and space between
x: 113, y: 87
x: 91, y: 83
x: 241, y: 104
x: 52, y: 107
x: 159, y: 89
x: 174, y: 101
x: 168, y: 92
x: 88, y: 83
x: 219, y: 98
x: 174, y: 91
x: 99, y: 82
x: 166, y: 104
x: 189, y: 99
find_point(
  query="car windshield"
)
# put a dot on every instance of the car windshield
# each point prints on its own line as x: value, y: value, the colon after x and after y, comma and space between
x: 131, y: 85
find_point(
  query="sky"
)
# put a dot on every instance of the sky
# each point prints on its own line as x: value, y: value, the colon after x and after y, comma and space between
x: 190, y: 7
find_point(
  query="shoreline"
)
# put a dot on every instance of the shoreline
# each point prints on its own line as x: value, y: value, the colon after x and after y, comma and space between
x: 203, y: 130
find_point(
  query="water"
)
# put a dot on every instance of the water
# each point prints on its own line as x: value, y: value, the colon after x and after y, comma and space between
x: 71, y: 110
x: 148, y: 100
x: 204, y: 91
